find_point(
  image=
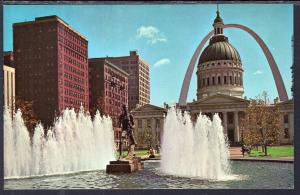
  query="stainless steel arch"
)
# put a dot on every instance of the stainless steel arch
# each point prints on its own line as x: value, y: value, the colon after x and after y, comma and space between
x: 274, y: 68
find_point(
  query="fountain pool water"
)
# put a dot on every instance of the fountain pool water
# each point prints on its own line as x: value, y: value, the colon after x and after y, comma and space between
x: 74, y: 143
x: 194, y: 150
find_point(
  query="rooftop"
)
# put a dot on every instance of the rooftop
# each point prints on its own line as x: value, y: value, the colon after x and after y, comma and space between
x: 50, y: 18
x: 103, y: 60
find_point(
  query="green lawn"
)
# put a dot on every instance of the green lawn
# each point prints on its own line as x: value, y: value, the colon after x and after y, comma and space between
x: 138, y: 153
x: 274, y: 151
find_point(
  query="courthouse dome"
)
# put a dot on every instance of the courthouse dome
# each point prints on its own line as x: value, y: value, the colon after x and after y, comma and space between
x: 219, y: 49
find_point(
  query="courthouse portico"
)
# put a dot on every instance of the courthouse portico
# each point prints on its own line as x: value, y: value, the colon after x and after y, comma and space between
x: 230, y: 109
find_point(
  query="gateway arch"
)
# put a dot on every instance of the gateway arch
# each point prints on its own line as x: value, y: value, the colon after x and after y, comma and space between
x: 274, y: 68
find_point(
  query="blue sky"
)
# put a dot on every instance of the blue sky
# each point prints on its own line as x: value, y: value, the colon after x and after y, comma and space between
x: 166, y: 36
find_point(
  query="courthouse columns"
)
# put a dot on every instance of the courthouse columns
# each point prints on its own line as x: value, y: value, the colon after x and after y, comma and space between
x: 225, y: 122
x: 236, y: 127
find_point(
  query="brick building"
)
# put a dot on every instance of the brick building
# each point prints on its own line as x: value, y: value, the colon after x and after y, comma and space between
x: 108, y: 86
x: 139, y: 80
x: 51, y: 62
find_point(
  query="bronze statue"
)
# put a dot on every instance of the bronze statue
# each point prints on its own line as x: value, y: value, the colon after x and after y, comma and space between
x: 126, y: 124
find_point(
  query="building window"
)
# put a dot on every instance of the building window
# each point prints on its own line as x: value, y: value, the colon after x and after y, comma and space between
x: 286, y: 118
x: 219, y: 80
x: 207, y: 81
x: 148, y: 122
x: 213, y: 80
x: 286, y: 133
x: 225, y: 80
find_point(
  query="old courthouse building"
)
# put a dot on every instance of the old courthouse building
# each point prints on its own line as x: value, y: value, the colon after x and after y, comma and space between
x: 138, y: 81
x: 220, y: 88
x: 51, y: 66
x: 108, y: 89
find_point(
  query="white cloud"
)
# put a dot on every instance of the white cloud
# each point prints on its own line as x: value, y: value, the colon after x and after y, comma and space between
x: 162, y: 62
x: 257, y: 72
x: 151, y: 33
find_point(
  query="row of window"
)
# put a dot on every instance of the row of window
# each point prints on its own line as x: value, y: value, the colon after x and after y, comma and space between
x: 219, y: 64
x: 218, y: 81
x: 115, y: 102
x: 218, y: 31
x: 74, y: 70
x: 144, y: 92
x: 72, y: 101
x: 144, y: 85
x: 74, y: 86
x: 71, y: 61
x: 143, y: 80
x: 144, y: 68
x: 74, y: 78
x: 113, y: 74
x: 72, y: 46
x: 75, y: 54
x: 115, y: 96
x: 66, y: 32
x: 74, y: 94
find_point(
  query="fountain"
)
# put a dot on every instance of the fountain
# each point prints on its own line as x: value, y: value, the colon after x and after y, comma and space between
x: 199, y: 150
x: 74, y: 143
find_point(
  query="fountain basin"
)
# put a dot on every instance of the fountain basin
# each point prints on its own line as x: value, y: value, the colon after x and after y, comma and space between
x: 248, y: 175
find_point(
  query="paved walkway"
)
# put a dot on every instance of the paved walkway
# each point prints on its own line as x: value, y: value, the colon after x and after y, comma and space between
x: 236, y: 154
x: 264, y: 159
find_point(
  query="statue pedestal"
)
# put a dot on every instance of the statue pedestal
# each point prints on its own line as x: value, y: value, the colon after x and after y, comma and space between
x: 125, y: 165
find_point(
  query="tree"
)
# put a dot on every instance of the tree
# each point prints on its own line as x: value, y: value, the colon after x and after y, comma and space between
x: 145, y: 137
x: 28, y: 115
x: 261, y: 124
x: 148, y: 137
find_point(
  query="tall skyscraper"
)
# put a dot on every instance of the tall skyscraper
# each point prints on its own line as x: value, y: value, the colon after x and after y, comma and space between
x: 139, y: 80
x: 51, y: 62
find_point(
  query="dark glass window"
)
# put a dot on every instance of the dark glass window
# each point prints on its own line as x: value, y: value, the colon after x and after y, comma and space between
x: 225, y: 80
x: 213, y: 80
x: 219, y: 80
x: 207, y: 81
x: 286, y: 118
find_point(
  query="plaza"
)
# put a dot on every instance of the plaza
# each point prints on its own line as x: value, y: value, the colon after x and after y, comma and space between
x: 90, y: 102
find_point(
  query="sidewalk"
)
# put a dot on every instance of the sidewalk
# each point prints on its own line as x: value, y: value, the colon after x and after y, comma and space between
x: 236, y: 155
x: 263, y: 159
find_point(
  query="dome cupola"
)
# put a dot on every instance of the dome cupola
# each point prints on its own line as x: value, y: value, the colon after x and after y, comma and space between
x: 220, y: 67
